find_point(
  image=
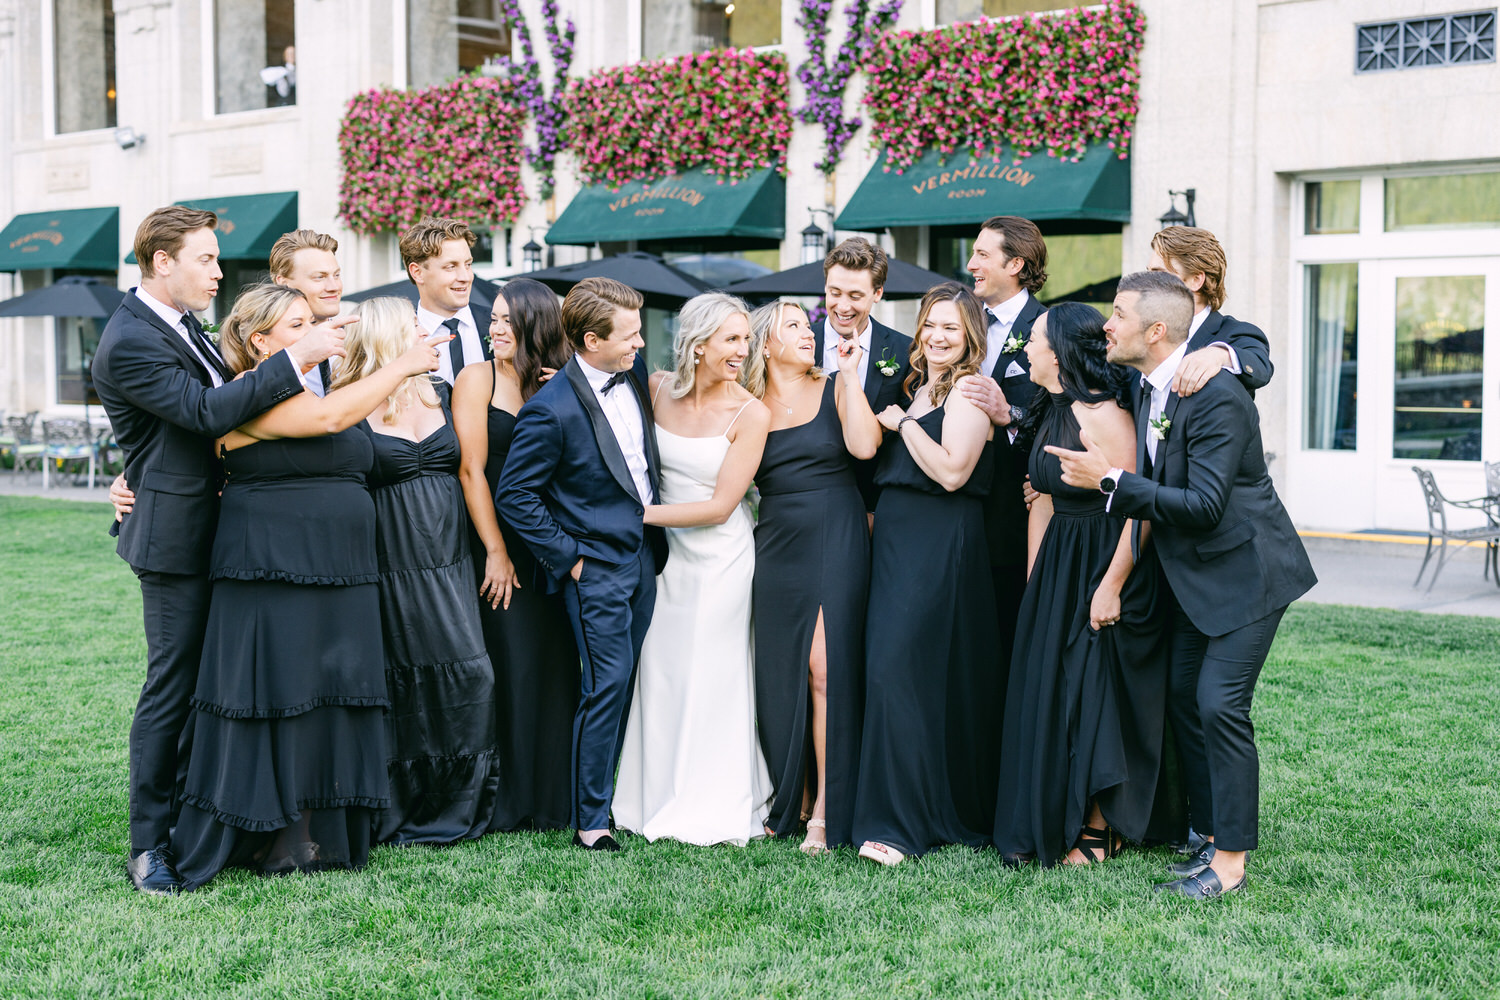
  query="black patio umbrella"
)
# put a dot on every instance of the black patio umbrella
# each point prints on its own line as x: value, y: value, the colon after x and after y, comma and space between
x: 484, y: 292
x: 1099, y: 291
x: 902, y: 281
x: 89, y: 298
x: 664, y: 286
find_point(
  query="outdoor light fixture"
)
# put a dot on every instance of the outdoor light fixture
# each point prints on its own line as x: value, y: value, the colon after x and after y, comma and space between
x: 816, y: 243
x: 531, y: 252
x: 1172, y: 217
x: 128, y: 138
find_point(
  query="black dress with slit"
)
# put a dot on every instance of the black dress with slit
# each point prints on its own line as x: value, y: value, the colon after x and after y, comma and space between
x: 536, y: 675
x: 1085, y: 709
x: 812, y: 553
x: 441, y: 727
x: 287, y: 764
x: 929, y: 756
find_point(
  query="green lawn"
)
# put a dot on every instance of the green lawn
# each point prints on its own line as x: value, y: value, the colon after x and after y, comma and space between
x: 1380, y: 748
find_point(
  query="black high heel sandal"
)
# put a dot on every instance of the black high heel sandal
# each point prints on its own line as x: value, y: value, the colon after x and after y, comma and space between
x: 1098, y: 845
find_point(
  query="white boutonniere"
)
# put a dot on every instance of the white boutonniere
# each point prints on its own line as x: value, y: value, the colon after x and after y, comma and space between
x: 888, y: 366
x: 1160, y: 426
x: 1012, y: 344
x: 211, y: 331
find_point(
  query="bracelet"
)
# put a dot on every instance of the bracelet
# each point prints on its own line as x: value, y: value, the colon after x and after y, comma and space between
x: 902, y: 421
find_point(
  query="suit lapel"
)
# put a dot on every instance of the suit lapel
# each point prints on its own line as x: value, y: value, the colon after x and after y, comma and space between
x: 1208, y: 332
x: 1142, y: 423
x: 173, y: 338
x: 482, y: 324
x: 1167, y: 413
x: 609, y: 445
x: 209, y: 348
x: 818, y: 329
x: 880, y: 342
x: 648, y: 414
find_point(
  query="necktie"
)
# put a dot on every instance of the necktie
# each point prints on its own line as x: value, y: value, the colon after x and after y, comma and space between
x: 203, y: 347
x: 455, y: 347
x: 614, y: 380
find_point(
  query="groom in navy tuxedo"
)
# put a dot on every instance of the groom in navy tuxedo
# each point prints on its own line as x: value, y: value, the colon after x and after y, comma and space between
x: 581, y: 469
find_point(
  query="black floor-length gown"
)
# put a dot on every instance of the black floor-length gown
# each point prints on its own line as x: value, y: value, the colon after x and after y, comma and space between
x: 812, y: 552
x: 536, y: 676
x: 441, y: 726
x: 1085, y: 709
x: 929, y: 756
x: 288, y: 749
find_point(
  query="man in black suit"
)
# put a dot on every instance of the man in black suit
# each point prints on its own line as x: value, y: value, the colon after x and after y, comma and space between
x: 1009, y: 265
x: 168, y: 396
x: 1230, y: 556
x: 1215, y: 341
x: 305, y: 260
x: 854, y: 275
x: 439, y: 260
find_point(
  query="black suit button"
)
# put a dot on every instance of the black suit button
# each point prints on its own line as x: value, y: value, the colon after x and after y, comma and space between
x: 639, y: 512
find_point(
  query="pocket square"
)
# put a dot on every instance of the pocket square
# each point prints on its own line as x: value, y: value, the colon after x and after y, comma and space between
x: 1014, y: 368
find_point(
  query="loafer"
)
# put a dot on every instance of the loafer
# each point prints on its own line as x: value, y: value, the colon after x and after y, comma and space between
x: 151, y: 872
x: 1194, y: 843
x: 1204, y: 885
x: 604, y: 843
x: 1193, y: 865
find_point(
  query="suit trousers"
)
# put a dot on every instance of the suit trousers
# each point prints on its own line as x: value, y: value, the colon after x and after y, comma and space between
x: 1211, y: 683
x: 610, y: 608
x: 176, y: 612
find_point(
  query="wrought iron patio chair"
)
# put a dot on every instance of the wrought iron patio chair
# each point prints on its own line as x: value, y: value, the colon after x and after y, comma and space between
x: 25, y: 449
x: 1437, y: 527
x: 68, y: 442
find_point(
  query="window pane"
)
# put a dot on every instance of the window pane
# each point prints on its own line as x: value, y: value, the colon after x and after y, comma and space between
x: 678, y: 27
x: 1439, y: 367
x: 447, y: 37
x: 1332, y: 207
x: 83, y: 64
x: 957, y: 11
x: 1452, y: 201
x: 1332, y: 356
x: 77, y: 340
x: 255, y: 54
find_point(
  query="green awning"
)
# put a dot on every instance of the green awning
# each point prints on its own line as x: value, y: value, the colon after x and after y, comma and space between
x: 969, y: 189
x: 691, y: 205
x: 80, y: 238
x: 248, y: 224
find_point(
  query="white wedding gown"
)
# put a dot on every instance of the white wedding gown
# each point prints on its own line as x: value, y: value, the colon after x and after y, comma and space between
x: 691, y: 768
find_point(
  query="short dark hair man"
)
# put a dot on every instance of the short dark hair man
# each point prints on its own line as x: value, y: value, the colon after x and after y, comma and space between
x: 169, y: 395
x: 854, y: 274
x: 438, y: 257
x: 1231, y: 559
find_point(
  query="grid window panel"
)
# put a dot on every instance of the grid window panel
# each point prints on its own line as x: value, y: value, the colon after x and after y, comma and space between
x: 1446, y: 40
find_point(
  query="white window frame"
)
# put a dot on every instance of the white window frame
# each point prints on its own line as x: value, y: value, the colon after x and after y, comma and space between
x: 49, y: 74
x: 210, y: 71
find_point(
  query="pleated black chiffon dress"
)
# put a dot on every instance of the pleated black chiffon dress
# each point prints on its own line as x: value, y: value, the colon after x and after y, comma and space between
x: 441, y: 727
x: 1085, y: 709
x: 812, y: 553
x: 930, y: 751
x: 536, y: 676
x: 287, y: 763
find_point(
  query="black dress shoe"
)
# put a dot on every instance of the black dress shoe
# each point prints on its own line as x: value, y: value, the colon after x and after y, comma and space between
x: 1194, y: 843
x: 1193, y: 865
x: 604, y: 843
x: 152, y: 873
x: 1204, y: 885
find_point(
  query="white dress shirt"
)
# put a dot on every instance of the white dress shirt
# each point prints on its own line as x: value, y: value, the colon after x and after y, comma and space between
x: 623, y: 411
x: 1199, y: 317
x: 1001, y: 318
x: 1160, y: 384
x: 174, y: 319
x: 831, y: 341
x: 468, y: 333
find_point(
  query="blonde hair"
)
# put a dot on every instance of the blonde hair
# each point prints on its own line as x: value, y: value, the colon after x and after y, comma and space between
x: 764, y: 322
x: 970, y: 362
x: 425, y: 240
x: 698, y: 321
x: 284, y: 250
x: 382, y: 335
x: 1196, y: 251
x: 258, y: 309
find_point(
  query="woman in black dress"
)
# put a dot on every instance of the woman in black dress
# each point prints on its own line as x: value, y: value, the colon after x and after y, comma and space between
x: 286, y: 764
x: 440, y: 731
x: 926, y: 766
x: 1084, y: 712
x: 812, y: 569
x: 527, y: 632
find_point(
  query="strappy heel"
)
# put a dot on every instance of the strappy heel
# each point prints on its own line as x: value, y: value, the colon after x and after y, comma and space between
x: 811, y: 847
x: 1097, y: 844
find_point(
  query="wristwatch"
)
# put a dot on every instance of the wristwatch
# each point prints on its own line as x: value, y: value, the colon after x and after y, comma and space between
x: 1110, y: 481
x: 1017, y: 414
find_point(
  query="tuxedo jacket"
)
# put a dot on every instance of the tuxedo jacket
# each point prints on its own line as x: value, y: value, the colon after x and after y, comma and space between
x: 1226, y: 544
x: 886, y: 344
x: 1248, y: 341
x: 166, y: 414
x: 1004, y: 509
x: 566, y: 489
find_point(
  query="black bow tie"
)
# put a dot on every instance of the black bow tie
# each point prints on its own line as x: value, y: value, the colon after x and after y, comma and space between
x: 614, y: 380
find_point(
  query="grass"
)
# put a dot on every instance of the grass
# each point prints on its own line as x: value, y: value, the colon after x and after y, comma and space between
x: 1380, y: 750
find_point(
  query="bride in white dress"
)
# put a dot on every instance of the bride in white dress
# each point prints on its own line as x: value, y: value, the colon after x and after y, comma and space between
x: 691, y: 768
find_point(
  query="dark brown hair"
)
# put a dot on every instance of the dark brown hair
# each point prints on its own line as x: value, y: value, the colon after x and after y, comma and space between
x: 859, y: 254
x: 1163, y: 299
x: 167, y: 229
x: 536, y: 322
x: 1024, y: 240
x: 590, y: 308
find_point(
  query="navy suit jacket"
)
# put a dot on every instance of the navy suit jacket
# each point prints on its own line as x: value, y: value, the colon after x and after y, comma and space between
x: 1005, y: 516
x: 166, y: 414
x: 1248, y: 341
x: 566, y: 489
x: 886, y: 344
x: 1226, y: 544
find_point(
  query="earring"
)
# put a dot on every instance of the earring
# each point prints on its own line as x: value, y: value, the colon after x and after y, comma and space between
x: 698, y: 361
